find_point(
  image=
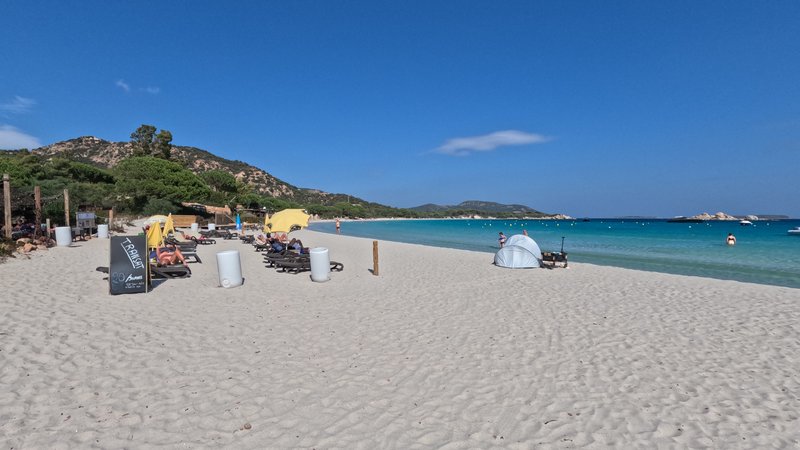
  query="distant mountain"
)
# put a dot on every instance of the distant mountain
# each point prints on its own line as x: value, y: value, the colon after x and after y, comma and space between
x: 430, y: 207
x: 479, y: 207
x: 107, y: 154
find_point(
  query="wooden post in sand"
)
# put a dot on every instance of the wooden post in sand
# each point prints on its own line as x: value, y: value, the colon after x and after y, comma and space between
x: 37, y: 201
x: 110, y: 217
x: 66, y: 206
x: 375, y: 258
x: 7, y: 204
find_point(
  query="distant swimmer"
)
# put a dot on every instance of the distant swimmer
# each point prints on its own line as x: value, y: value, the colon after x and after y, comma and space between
x: 731, y: 240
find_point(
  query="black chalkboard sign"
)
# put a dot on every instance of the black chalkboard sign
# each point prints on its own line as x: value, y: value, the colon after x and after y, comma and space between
x: 127, y: 273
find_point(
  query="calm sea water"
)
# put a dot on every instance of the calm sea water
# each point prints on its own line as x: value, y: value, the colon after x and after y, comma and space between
x: 765, y: 253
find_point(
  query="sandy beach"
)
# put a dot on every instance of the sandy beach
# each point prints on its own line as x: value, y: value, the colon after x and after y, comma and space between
x: 442, y: 350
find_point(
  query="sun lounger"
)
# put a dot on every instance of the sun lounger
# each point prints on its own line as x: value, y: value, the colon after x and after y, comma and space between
x: 263, y: 247
x: 191, y: 254
x: 185, y: 246
x: 173, y: 271
x: 204, y: 241
x: 227, y: 235
x: 271, y: 258
x: 268, y: 247
x: 550, y: 259
x: 301, y: 264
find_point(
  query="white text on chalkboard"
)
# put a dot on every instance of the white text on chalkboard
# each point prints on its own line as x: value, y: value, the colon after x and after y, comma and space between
x: 133, y: 254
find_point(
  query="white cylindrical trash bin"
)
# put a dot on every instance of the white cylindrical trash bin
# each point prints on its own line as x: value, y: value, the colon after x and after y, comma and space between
x: 230, y: 269
x: 102, y: 231
x: 212, y: 227
x: 320, y: 264
x: 195, y: 226
x: 63, y: 236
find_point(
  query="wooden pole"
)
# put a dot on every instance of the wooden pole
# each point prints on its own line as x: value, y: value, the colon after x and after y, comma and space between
x: 110, y: 218
x: 37, y: 200
x: 7, y: 204
x: 66, y: 206
x: 375, y: 258
x: 48, y: 229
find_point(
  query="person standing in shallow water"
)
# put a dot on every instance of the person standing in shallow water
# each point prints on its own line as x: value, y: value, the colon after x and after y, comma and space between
x: 731, y: 239
x: 338, y: 227
x: 502, y: 239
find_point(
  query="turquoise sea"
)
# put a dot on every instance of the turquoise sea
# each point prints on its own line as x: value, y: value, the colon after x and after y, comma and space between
x: 765, y: 253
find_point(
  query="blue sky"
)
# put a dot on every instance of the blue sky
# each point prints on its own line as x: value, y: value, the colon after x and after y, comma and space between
x: 587, y: 108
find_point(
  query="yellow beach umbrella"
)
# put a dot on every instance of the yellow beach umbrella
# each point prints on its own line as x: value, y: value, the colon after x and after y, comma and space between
x: 287, y: 220
x: 154, y: 236
x: 266, y: 221
x: 169, y: 226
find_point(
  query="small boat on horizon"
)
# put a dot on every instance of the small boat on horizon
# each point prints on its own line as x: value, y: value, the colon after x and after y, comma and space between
x: 745, y: 223
x: 795, y: 231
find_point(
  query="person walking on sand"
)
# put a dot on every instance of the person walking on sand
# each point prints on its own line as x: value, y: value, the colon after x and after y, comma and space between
x: 502, y: 239
x: 731, y: 240
x: 338, y: 226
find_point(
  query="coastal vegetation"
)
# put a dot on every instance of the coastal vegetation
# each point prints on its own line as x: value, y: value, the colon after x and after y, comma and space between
x: 147, y: 143
x: 149, y: 175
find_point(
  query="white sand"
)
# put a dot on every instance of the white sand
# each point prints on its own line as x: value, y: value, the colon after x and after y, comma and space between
x: 442, y: 350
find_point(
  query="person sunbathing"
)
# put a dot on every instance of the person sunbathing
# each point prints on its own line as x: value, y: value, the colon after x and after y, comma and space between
x: 170, y: 255
x: 297, y: 245
x: 275, y: 245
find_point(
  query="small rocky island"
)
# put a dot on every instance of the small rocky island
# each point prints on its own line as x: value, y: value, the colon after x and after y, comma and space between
x: 706, y: 217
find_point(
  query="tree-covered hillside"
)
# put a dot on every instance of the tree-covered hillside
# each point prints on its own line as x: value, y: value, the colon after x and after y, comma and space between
x: 149, y: 175
x: 150, y: 185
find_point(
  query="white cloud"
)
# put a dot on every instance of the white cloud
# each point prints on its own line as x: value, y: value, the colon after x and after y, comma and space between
x: 122, y: 84
x: 463, y: 146
x: 12, y: 138
x: 18, y: 105
x: 125, y: 86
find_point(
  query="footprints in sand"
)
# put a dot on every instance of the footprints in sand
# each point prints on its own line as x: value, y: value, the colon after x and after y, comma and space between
x: 588, y: 357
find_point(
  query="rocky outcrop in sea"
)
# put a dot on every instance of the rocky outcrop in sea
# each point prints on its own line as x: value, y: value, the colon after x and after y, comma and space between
x: 717, y: 216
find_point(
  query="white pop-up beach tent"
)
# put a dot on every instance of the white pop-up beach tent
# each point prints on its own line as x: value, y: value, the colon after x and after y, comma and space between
x: 520, y: 252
